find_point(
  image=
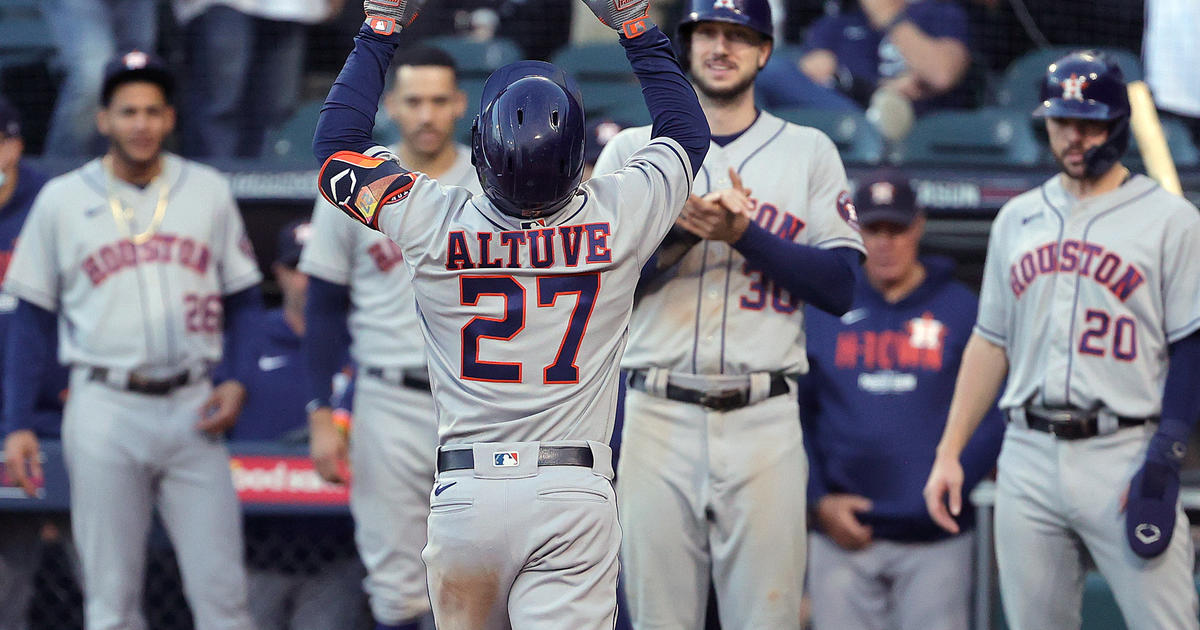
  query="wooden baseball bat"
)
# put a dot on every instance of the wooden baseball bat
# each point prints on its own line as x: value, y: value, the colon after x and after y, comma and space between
x: 1152, y: 142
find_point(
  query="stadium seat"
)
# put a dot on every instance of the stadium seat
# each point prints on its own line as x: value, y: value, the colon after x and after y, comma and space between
x: 477, y: 59
x: 24, y: 35
x: 1179, y: 142
x: 1022, y: 80
x: 985, y: 137
x: 291, y: 142
x: 856, y: 139
x: 602, y: 62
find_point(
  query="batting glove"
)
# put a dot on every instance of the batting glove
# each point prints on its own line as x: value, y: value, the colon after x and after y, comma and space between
x: 388, y: 17
x: 1153, y: 495
x: 627, y: 16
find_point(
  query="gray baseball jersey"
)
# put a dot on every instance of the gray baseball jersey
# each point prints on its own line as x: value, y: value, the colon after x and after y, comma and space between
x: 137, y: 278
x: 127, y: 305
x: 393, y: 439
x: 524, y: 321
x: 718, y: 496
x: 1084, y: 295
x: 383, y: 320
x: 744, y: 323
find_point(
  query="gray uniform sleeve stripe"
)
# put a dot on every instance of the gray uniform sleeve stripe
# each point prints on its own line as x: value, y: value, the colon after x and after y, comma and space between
x: 687, y: 169
x: 991, y: 336
x: 29, y: 294
x: 328, y: 274
x: 1183, y: 331
x: 844, y: 240
x: 242, y: 282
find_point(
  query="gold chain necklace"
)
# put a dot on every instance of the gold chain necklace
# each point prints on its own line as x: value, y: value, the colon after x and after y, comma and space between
x: 123, y: 215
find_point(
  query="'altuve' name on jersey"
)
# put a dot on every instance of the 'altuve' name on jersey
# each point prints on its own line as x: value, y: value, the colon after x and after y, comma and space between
x: 535, y: 248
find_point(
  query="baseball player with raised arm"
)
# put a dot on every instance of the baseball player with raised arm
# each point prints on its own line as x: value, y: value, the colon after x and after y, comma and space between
x: 1090, y: 305
x: 523, y: 295
x: 141, y: 260
x: 358, y: 277
x: 712, y: 469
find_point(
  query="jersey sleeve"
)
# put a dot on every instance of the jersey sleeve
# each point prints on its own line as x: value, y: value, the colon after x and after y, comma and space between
x: 831, y: 218
x: 1181, y: 266
x: 995, y: 296
x: 237, y: 266
x: 329, y: 252
x: 33, y: 273
x: 648, y: 191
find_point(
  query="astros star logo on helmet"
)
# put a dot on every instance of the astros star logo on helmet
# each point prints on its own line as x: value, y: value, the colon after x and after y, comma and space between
x: 1073, y: 87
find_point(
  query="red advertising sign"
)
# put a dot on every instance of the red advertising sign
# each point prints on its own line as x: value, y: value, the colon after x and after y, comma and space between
x: 283, y: 479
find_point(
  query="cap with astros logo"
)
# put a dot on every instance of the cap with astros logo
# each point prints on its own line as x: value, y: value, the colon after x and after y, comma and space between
x: 136, y: 65
x: 292, y: 238
x: 885, y: 198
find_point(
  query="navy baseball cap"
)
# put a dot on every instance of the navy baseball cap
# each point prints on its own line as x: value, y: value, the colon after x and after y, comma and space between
x: 883, y: 198
x: 10, y: 120
x: 136, y: 65
x: 291, y: 242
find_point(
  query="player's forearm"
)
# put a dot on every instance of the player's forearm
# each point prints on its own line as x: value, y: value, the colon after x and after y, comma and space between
x: 29, y: 349
x: 821, y: 277
x: 1181, y: 396
x: 671, y: 100
x: 984, y: 366
x: 243, y: 317
x: 325, y: 336
x: 348, y: 116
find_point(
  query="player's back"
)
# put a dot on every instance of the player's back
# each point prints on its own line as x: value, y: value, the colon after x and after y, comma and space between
x: 525, y: 320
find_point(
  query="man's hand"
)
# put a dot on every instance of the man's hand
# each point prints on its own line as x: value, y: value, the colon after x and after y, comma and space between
x: 628, y: 16
x: 220, y: 411
x: 387, y: 17
x: 22, y: 460
x: 837, y: 516
x: 945, y: 478
x: 328, y: 446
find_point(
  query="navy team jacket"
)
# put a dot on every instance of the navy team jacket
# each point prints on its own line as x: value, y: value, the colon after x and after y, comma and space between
x: 875, y: 400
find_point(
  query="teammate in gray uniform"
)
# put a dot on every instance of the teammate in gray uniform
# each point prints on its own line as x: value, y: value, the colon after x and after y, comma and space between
x: 393, y: 438
x: 712, y: 469
x: 523, y: 296
x: 1090, y: 284
x: 141, y: 259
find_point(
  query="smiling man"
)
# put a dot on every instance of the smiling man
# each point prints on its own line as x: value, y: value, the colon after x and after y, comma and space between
x: 712, y: 472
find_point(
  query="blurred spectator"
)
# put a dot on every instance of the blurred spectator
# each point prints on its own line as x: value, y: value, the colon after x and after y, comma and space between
x: 916, y: 49
x: 88, y: 33
x: 1171, y: 55
x: 873, y: 406
x: 246, y: 61
x: 20, y: 544
x: 303, y: 573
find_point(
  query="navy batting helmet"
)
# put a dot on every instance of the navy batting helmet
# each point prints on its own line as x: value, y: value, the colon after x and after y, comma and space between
x: 755, y: 14
x: 1086, y: 84
x: 527, y: 141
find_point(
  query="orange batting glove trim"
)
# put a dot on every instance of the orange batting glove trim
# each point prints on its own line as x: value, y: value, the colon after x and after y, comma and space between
x: 635, y: 27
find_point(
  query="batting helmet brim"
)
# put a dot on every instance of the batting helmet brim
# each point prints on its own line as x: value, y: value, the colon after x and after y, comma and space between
x: 1088, y: 110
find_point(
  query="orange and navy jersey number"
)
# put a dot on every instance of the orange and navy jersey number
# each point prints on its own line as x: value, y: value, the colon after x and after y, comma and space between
x: 564, y: 369
x: 360, y: 185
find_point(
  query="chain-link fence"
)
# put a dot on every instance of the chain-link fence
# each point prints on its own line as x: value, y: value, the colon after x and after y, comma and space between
x: 298, y: 545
